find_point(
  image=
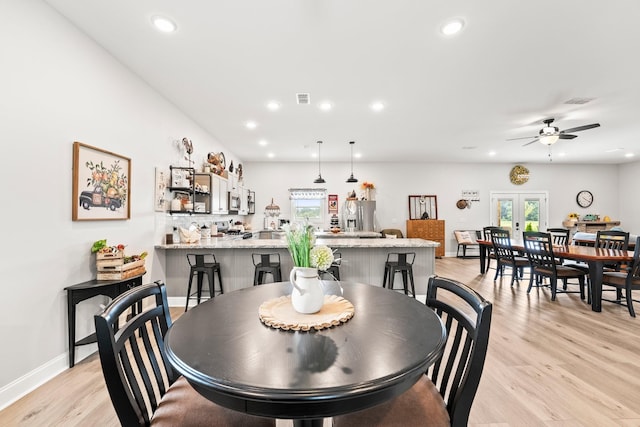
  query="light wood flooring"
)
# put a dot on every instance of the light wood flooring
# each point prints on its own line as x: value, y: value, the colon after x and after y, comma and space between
x: 549, y: 363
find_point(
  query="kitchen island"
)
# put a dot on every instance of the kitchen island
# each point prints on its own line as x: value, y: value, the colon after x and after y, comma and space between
x: 362, y: 260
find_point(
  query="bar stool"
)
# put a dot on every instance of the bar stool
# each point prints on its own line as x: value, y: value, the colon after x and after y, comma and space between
x: 334, y: 269
x: 266, y: 264
x: 400, y: 262
x: 202, y: 264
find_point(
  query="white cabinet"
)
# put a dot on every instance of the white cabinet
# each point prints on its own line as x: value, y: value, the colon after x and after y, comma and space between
x: 219, y: 189
x: 244, y: 201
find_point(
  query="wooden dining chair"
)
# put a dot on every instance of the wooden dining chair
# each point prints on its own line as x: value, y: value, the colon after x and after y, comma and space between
x: 445, y: 394
x: 143, y: 387
x: 626, y: 280
x: 539, y: 249
x: 506, y: 256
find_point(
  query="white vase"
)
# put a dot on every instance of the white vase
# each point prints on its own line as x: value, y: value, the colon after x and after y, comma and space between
x: 307, y: 296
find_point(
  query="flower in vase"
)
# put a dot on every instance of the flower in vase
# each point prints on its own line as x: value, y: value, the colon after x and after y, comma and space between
x: 321, y: 257
x: 367, y: 185
x: 301, y: 245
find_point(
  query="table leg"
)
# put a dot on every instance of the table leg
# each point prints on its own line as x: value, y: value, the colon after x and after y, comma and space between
x: 595, y: 277
x: 483, y: 257
x: 308, y: 423
x: 71, y: 318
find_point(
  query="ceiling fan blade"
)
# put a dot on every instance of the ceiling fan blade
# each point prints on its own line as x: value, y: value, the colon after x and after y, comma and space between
x: 579, y: 128
x: 524, y: 137
x: 566, y: 136
x: 531, y: 142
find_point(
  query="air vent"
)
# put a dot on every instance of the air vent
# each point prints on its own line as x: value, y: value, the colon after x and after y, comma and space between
x: 579, y: 100
x: 303, y: 98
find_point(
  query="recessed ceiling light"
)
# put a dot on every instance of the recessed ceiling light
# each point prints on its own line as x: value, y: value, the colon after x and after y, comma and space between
x: 452, y: 27
x: 163, y: 24
x: 357, y: 155
x: 271, y: 155
x: 273, y: 105
x: 492, y: 153
x: 251, y: 125
x: 377, y: 106
x: 629, y: 155
x: 262, y: 142
x: 325, y: 106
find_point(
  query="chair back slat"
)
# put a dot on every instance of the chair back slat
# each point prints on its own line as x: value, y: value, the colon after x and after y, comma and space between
x: 467, y: 318
x: 539, y: 249
x: 559, y: 236
x: 612, y: 239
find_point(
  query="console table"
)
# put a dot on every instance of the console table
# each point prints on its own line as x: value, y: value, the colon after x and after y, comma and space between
x: 85, y: 290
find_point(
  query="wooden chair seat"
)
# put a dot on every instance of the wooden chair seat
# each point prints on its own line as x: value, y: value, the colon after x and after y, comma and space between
x: 406, y: 410
x: 181, y: 405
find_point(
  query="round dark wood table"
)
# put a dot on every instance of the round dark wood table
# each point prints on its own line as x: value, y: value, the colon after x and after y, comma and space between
x: 229, y: 356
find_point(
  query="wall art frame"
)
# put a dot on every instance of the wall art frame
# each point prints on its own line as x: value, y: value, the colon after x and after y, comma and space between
x: 101, y: 184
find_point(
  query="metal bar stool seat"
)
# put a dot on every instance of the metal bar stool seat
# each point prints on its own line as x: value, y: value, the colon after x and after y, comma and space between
x: 266, y: 264
x: 400, y: 262
x: 201, y: 265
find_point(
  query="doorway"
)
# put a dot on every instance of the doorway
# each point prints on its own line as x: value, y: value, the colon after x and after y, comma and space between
x: 519, y: 211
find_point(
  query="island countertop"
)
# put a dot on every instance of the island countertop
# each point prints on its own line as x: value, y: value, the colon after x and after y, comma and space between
x: 341, y: 242
x: 362, y: 260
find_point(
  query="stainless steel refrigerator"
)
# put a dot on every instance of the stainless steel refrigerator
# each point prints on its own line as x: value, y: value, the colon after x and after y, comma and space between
x: 359, y: 215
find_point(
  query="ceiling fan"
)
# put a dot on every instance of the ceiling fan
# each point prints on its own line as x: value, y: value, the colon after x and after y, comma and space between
x: 549, y: 135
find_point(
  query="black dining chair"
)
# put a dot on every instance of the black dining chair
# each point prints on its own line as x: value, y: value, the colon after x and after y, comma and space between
x: 445, y: 394
x: 539, y: 249
x: 506, y: 256
x: 143, y: 387
x: 486, y: 234
x: 560, y: 236
x: 626, y: 280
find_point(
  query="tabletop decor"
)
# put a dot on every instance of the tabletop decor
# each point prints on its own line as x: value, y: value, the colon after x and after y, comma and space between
x: 368, y: 188
x: 101, y: 184
x: 307, y: 296
x: 280, y: 314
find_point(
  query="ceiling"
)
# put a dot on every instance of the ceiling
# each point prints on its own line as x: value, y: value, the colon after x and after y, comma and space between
x: 447, y: 99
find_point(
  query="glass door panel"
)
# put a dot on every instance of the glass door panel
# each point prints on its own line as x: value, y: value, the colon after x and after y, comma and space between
x: 518, y: 212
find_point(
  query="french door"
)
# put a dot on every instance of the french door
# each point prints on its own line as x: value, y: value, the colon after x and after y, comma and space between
x: 520, y: 211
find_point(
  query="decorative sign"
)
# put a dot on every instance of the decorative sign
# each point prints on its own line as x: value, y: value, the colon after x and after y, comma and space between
x: 333, y: 203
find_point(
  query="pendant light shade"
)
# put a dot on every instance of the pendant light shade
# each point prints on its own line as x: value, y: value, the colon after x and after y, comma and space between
x: 351, y: 178
x: 319, y: 179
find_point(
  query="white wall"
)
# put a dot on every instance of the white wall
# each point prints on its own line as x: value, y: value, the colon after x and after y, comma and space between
x: 395, y: 182
x: 629, y: 196
x: 56, y: 87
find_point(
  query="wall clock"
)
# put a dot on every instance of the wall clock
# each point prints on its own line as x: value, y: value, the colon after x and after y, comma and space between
x: 519, y: 175
x: 584, y: 198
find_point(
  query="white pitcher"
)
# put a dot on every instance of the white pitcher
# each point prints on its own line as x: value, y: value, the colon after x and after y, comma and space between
x: 307, y: 296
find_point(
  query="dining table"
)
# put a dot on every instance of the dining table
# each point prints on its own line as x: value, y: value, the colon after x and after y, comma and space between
x: 595, y: 258
x: 233, y: 358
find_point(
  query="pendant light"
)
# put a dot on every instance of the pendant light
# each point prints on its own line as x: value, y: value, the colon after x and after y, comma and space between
x: 319, y: 179
x: 351, y: 178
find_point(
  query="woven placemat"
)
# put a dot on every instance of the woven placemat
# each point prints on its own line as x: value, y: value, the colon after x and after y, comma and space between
x: 280, y: 314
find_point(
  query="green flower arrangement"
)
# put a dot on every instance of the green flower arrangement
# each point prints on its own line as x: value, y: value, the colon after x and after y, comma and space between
x: 301, y: 244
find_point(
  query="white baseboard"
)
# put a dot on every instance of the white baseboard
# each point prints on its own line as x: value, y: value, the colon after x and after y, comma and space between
x: 22, y: 386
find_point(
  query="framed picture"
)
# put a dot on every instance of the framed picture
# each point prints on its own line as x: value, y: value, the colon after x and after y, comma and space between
x: 161, y: 203
x: 333, y: 203
x: 101, y: 184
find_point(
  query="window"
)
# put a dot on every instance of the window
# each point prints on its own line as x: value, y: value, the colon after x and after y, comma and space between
x: 308, y: 204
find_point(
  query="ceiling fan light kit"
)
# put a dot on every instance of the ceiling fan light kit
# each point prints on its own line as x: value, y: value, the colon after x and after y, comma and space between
x: 549, y: 135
